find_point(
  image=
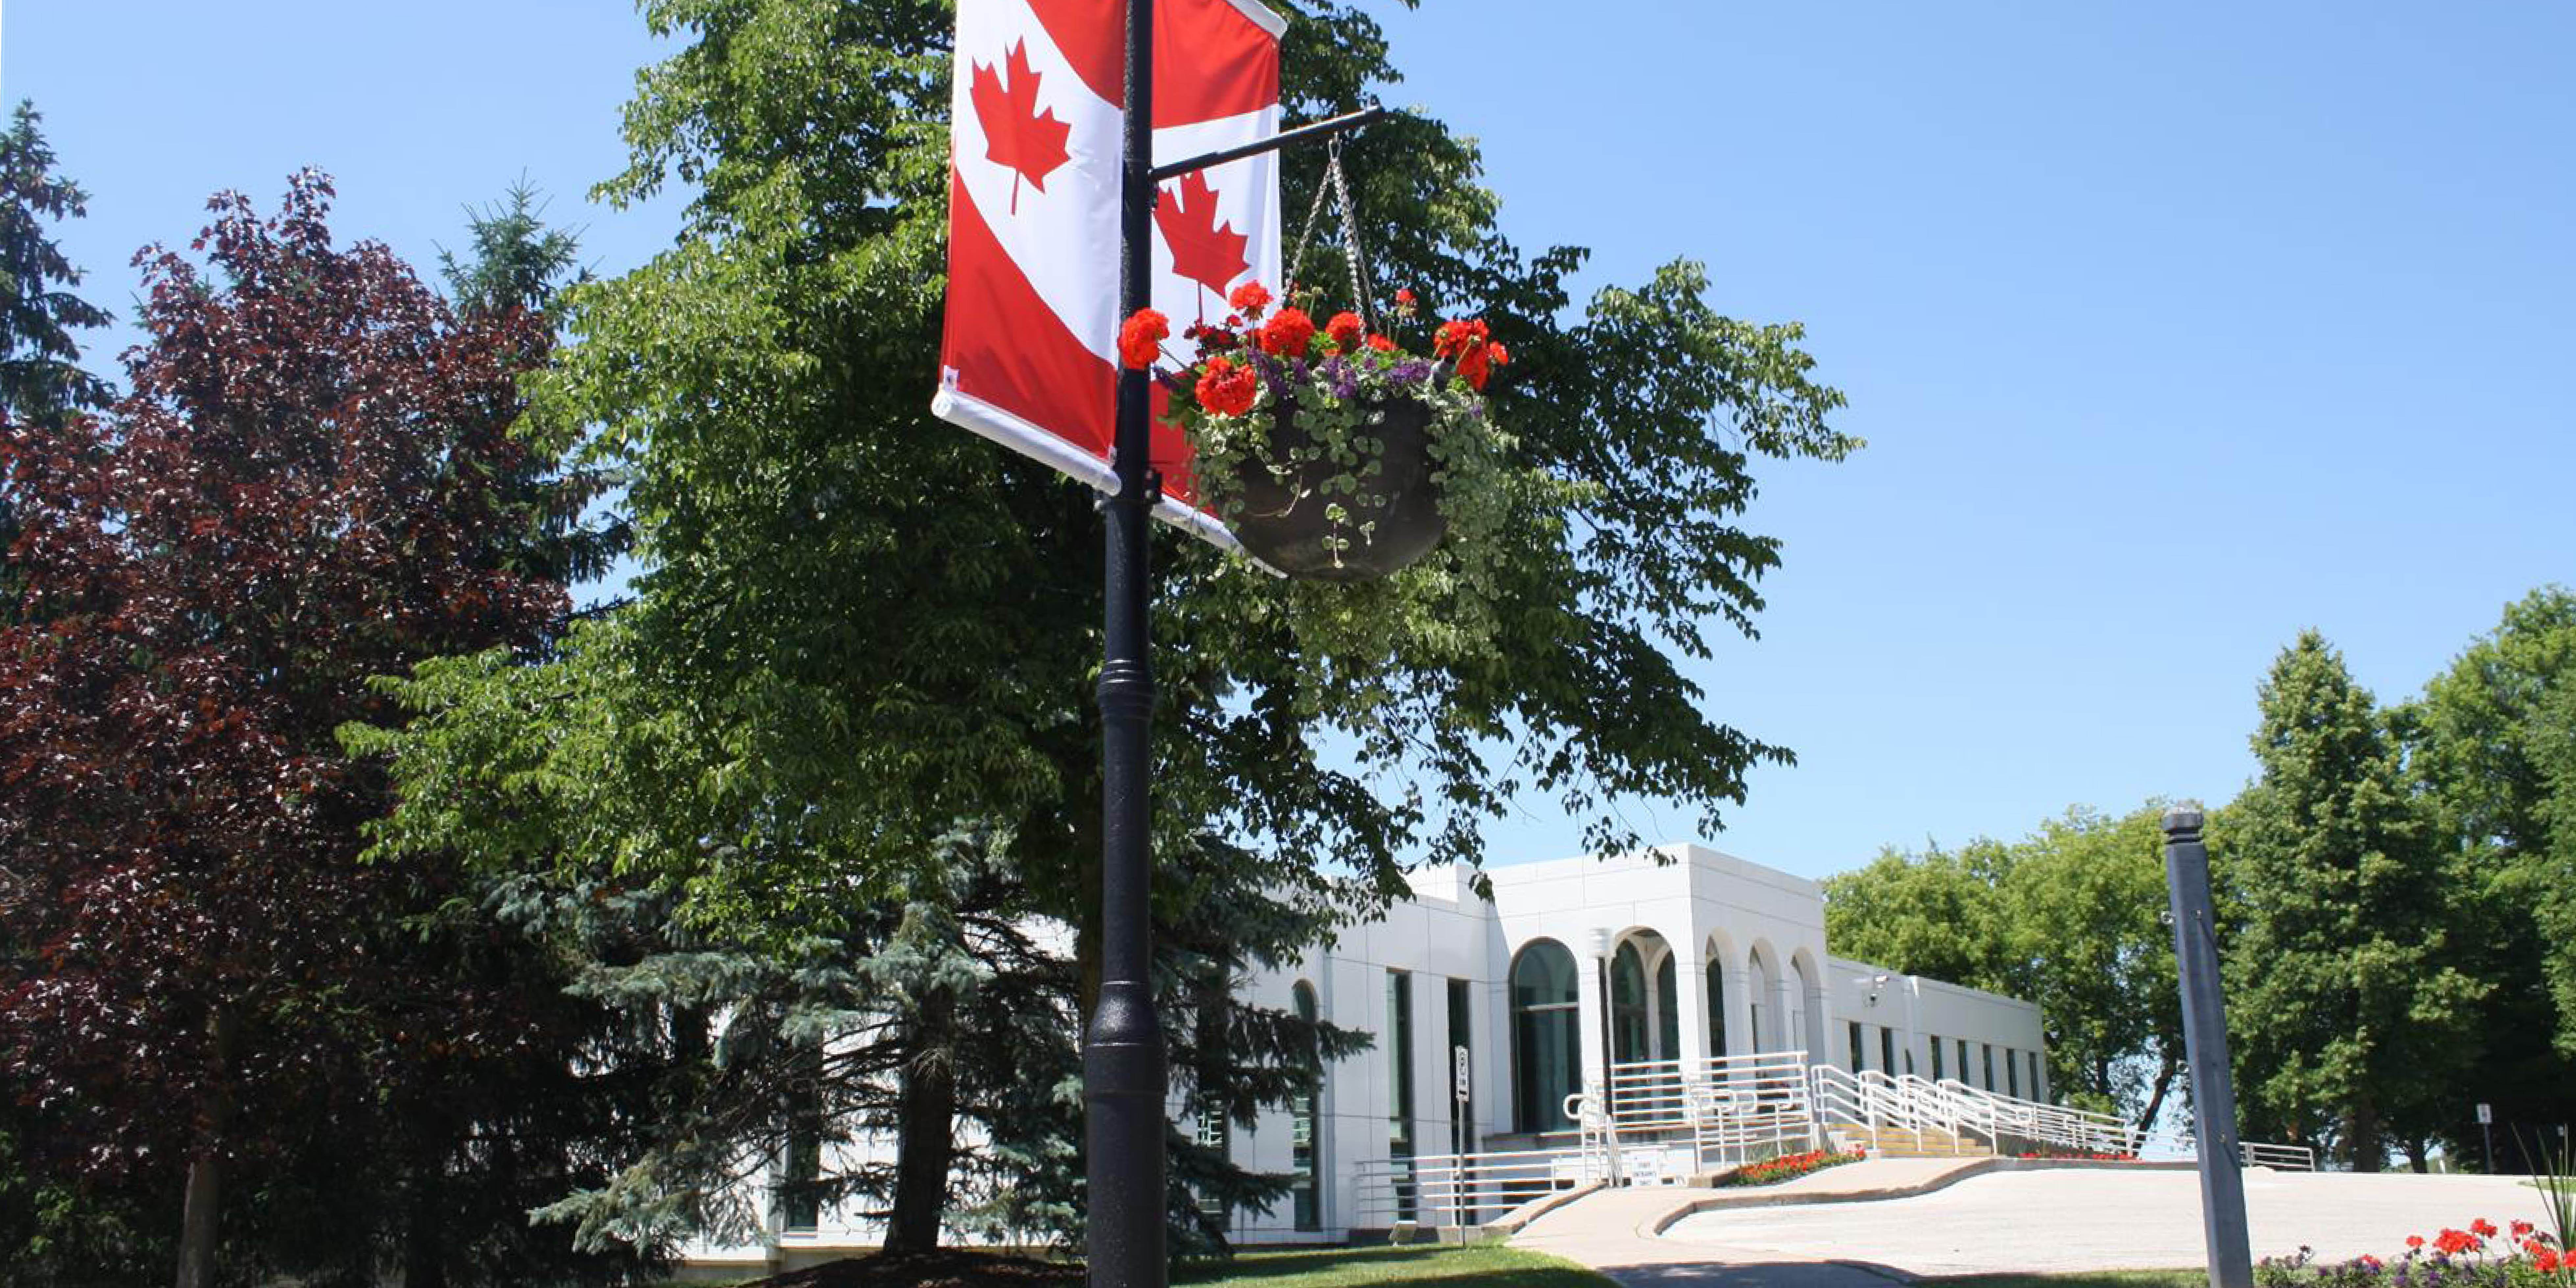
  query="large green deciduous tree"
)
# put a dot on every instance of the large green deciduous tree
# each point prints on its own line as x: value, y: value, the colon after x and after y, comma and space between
x: 2067, y: 917
x: 859, y: 629
x: 1938, y: 913
x: 2493, y: 748
x: 2350, y: 1016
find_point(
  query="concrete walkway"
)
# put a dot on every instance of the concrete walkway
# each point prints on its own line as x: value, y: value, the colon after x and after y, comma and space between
x: 1615, y: 1231
x: 1847, y: 1227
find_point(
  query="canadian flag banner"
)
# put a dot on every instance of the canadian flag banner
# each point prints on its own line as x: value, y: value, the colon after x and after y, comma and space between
x: 1030, y: 354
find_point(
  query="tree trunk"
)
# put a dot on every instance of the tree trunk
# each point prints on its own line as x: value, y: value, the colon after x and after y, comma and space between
x: 2416, y: 1160
x: 925, y: 1127
x: 2156, y: 1096
x: 424, y: 1266
x: 2368, y: 1153
x: 197, y: 1227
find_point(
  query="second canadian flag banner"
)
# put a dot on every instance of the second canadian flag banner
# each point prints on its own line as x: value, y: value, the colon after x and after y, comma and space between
x: 1030, y: 355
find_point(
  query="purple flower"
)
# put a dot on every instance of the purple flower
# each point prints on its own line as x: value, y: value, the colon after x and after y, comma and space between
x: 1340, y: 378
x: 1411, y: 371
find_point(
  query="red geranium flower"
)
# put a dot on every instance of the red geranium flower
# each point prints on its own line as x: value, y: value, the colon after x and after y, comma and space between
x: 1289, y: 334
x: 2414, y: 1240
x: 2451, y: 1243
x: 1456, y: 337
x: 1140, y: 339
x: 1471, y: 364
x: 1345, y: 329
x: 2547, y: 1261
x: 1251, y: 298
x: 1403, y: 296
x: 1227, y: 389
x: 2483, y: 1228
x: 2523, y: 1229
x: 1381, y: 344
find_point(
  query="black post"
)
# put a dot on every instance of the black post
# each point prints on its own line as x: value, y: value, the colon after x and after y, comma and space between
x: 2204, y: 1033
x: 1123, y: 1077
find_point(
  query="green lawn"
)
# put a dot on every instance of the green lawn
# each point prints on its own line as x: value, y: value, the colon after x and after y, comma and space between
x: 1487, y: 1266
x: 2087, y: 1279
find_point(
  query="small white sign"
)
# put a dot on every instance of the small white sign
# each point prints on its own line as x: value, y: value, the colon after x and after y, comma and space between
x: 1458, y: 1061
x: 2486, y: 1115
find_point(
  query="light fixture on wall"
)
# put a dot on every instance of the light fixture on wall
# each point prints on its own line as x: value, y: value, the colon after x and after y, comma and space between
x: 1600, y: 941
x: 1877, y: 982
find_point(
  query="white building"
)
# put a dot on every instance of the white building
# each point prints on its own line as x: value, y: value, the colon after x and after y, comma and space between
x: 1575, y: 967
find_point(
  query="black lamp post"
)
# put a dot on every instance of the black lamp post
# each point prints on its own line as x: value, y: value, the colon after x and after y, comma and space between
x: 1124, y: 1081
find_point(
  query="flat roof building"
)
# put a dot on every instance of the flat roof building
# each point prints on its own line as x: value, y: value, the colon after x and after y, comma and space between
x: 1661, y: 968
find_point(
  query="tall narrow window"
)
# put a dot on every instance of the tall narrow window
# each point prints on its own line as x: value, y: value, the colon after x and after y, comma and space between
x: 2012, y: 1075
x: 800, y: 1205
x: 1716, y: 1007
x: 1462, y: 1034
x: 1399, y: 1109
x: 1305, y: 1147
x: 1629, y: 1020
x: 1887, y: 1050
x: 1937, y: 1074
x: 1963, y: 1060
x: 1855, y: 1050
x: 1988, y: 1050
x: 1547, y: 1042
x: 1668, y: 1009
x: 2035, y: 1091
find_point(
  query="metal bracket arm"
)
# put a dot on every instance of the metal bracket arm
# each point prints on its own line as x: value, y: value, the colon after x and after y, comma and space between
x: 1285, y: 138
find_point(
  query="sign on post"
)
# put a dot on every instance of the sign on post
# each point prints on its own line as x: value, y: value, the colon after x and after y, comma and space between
x: 1029, y: 356
x: 2486, y: 1114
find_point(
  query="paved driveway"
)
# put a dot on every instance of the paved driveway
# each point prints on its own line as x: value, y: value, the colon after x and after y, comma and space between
x: 2102, y: 1220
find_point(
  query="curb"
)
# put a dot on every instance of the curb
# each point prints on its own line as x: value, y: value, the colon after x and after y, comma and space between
x: 1978, y: 1167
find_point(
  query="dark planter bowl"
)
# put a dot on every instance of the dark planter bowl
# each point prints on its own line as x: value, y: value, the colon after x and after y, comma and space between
x: 1282, y: 522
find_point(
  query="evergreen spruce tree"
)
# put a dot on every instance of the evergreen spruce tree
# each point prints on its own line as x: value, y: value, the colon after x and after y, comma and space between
x: 40, y: 370
x: 2350, y: 1019
x: 41, y: 378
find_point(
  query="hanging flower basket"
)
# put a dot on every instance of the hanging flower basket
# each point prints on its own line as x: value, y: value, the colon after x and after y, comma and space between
x: 1332, y: 454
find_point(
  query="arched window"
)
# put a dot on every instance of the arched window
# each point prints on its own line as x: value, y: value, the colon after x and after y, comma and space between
x: 1308, y: 1183
x: 1547, y: 1038
x: 1630, y: 1021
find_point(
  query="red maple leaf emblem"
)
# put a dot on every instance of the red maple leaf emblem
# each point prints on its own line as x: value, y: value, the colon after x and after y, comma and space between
x: 1203, y: 250
x: 1016, y: 134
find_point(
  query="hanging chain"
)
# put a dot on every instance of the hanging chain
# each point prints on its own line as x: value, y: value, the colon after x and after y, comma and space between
x: 1314, y: 214
x: 1350, y: 231
x: 1335, y: 184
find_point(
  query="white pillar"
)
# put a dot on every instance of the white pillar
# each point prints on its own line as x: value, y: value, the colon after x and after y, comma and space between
x: 1692, y: 997
x: 1592, y: 1009
x: 1738, y: 1001
x: 1787, y: 1030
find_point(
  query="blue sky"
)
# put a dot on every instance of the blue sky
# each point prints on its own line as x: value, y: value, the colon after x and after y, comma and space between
x: 2175, y: 329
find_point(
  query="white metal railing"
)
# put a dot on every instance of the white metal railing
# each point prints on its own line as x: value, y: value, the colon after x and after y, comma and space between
x: 1878, y: 1109
x: 1686, y: 1116
x: 1467, y: 1189
x: 2049, y: 1126
x: 1659, y: 1121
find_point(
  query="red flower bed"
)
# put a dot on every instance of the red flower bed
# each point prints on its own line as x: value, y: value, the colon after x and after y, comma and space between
x: 1772, y: 1171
